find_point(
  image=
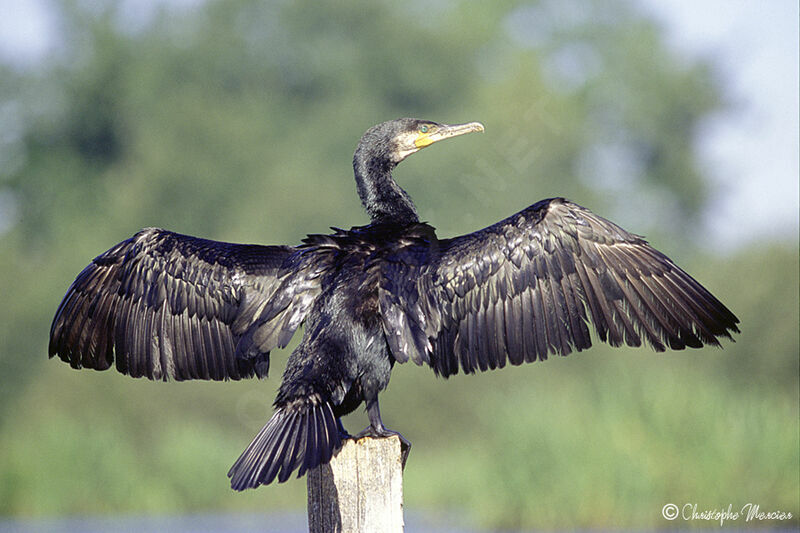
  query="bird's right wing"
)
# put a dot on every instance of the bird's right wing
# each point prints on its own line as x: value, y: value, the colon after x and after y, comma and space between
x: 165, y: 305
x: 520, y: 290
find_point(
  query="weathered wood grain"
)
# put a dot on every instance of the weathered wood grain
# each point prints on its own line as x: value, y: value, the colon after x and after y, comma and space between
x: 360, y: 490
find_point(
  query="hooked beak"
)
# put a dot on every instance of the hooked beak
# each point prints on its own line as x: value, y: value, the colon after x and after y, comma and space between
x: 445, y: 131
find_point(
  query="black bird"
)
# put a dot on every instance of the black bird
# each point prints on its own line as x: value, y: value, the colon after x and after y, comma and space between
x: 164, y: 305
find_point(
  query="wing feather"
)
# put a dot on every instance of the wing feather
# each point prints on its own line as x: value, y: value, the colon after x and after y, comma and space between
x: 164, y: 305
x: 529, y: 285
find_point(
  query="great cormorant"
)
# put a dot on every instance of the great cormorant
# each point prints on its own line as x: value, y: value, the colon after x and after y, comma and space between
x: 164, y: 305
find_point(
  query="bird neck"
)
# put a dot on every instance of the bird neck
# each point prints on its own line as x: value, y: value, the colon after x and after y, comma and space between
x: 381, y: 196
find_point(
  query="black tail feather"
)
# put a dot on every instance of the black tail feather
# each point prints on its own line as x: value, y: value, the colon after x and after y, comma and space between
x: 301, y: 434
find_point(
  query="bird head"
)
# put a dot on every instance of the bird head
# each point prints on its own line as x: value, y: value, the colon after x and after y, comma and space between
x: 397, y: 139
x: 381, y: 148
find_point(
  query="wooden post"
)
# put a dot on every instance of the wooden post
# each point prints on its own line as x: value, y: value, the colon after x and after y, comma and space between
x: 360, y: 490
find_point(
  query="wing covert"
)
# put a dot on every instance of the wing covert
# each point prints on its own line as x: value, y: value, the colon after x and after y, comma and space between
x: 164, y: 305
x: 529, y: 286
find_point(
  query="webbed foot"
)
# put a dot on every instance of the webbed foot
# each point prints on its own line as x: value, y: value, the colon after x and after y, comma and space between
x: 382, y: 433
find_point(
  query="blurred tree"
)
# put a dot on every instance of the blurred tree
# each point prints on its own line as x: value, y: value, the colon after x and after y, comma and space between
x: 218, y: 121
x: 583, y: 99
x: 236, y: 120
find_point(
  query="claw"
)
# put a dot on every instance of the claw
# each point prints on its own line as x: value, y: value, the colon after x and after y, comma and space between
x: 382, y: 433
x: 377, y: 430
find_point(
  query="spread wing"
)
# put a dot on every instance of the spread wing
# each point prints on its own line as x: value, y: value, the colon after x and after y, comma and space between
x: 165, y: 305
x: 528, y: 286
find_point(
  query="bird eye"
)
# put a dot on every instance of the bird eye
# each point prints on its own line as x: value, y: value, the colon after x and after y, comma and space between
x: 423, y: 129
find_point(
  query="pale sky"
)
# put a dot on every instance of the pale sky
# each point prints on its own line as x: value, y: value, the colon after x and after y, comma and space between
x: 750, y: 151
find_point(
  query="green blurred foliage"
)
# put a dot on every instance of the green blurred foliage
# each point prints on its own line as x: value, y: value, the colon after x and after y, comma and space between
x: 237, y: 121
x: 607, y: 437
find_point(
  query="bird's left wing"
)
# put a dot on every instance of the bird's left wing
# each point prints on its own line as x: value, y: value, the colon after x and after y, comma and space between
x: 527, y: 287
x: 165, y: 305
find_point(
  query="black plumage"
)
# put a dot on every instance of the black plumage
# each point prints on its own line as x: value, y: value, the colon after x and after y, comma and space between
x: 164, y: 305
